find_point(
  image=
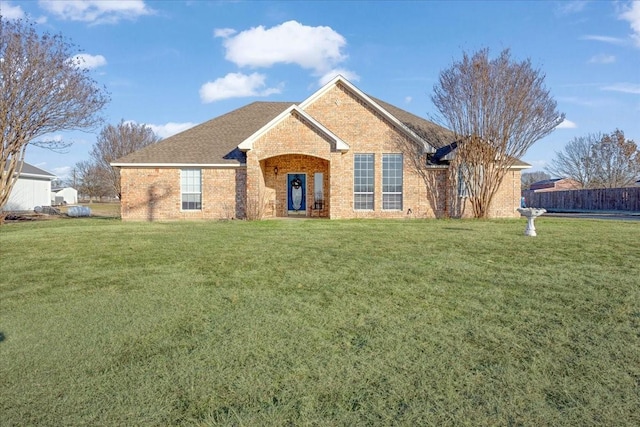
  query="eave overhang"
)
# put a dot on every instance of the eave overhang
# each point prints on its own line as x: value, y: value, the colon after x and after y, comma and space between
x: 37, y: 176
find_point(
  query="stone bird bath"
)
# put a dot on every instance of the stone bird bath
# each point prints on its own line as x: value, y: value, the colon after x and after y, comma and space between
x: 531, y: 214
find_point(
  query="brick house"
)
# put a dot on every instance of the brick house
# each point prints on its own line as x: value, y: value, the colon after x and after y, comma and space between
x: 555, y: 184
x: 338, y: 154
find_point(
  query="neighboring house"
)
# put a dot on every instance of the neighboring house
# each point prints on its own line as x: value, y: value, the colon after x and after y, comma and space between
x: 555, y: 184
x: 337, y: 154
x: 64, y: 196
x: 33, y: 188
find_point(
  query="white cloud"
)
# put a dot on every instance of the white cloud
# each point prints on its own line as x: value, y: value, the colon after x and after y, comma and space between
x: 96, y: 11
x: 633, y: 88
x: 408, y: 99
x: 11, y: 12
x: 89, y: 62
x: 168, y: 129
x: 567, y: 124
x: 315, y: 48
x: 349, y: 75
x: 235, y: 85
x: 571, y: 7
x: 319, y: 49
x: 50, y: 138
x: 224, y: 32
x: 631, y: 13
x: 602, y: 59
x: 62, y: 171
x: 606, y: 39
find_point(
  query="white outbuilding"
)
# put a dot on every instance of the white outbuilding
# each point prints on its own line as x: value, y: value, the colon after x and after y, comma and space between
x: 33, y: 188
x: 64, y: 196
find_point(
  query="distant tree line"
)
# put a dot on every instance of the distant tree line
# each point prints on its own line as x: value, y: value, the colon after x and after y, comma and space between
x: 599, y: 161
x: 594, y: 161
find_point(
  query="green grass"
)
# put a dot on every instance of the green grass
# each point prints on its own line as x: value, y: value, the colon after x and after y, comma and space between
x: 320, y: 323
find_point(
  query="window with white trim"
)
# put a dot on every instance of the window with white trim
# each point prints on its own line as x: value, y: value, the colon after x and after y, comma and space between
x: 363, y: 181
x: 470, y: 180
x: 463, y: 189
x: 392, y: 181
x: 191, y: 189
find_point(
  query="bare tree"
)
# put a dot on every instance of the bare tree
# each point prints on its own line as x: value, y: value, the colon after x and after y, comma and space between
x: 529, y: 178
x: 92, y: 181
x: 497, y: 109
x: 43, y: 89
x: 599, y: 161
x: 617, y: 161
x: 575, y: 161
x: 117, y: 141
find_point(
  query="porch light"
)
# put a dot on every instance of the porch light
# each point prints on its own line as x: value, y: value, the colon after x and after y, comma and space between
x: 275, y: 170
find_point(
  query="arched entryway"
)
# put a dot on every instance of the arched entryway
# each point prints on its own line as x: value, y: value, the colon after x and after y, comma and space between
x: 297, y: 185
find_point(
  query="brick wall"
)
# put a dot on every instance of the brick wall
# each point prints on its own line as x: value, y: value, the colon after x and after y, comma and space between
x: 294, y: 145
x: 507, y: 199
x: 150, y: 194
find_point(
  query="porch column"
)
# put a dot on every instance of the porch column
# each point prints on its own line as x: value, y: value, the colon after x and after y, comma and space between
x: 255, y: 187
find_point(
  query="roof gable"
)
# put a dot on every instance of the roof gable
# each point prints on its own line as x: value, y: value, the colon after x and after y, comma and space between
x: 297, y: 112
x: 371, y: 102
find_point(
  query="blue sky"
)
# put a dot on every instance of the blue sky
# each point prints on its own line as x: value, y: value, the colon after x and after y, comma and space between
x: 174, y: 64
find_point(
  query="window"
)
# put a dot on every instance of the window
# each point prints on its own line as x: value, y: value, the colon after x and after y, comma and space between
x: 190, y: 183
x: 470, y: 180
x: 318, y: 190
x: 463, y: 190
x: 392, y: 181
x: 363, y: 182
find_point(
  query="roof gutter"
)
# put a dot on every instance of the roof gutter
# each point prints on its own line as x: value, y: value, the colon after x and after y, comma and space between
x: 34, y: 175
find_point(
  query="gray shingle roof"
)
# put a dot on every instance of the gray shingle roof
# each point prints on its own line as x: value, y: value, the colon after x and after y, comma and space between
x: 434, y: 134
x: 212, y: 142
x: 215, y: 142
x: 439, y: 137
x: 28, y: 169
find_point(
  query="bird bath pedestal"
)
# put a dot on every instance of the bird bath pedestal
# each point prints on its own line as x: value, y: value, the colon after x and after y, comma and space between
x: 531, y: 214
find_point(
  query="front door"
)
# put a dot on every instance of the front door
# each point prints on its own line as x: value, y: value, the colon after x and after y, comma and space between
x: 297, y: 193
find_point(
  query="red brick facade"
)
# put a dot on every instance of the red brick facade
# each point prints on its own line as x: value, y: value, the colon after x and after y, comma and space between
x: 151, y: 194
x: 294, y: 145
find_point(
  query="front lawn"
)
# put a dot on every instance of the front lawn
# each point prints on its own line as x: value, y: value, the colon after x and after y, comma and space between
x: 320, y: 323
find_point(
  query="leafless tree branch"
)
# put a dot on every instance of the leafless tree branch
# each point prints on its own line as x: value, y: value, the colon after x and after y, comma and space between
x: 599, y: 161
x: 42, y: 90
x: 497, y: 109
x: 115, y: 142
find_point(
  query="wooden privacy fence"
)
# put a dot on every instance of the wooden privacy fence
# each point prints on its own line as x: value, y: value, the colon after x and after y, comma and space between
x: 599, y: 199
